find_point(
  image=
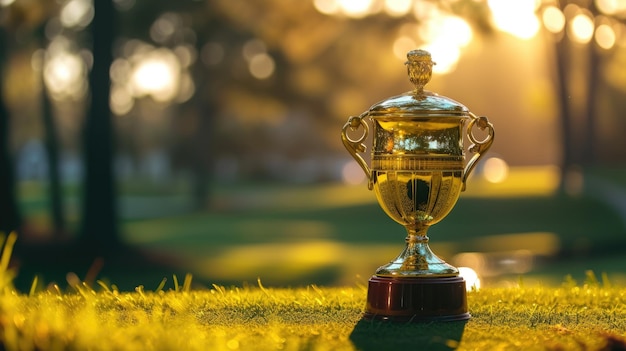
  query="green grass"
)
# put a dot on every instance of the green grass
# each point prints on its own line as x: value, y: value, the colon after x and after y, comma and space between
x: 327, y: 235
x: 312, y: 318
x: 177, y: 316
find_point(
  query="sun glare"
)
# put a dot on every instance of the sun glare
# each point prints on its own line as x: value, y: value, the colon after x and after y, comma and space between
x: 156, y: 74
x: 472, y: 281
x: 516, y: 17
x: 444, y: 36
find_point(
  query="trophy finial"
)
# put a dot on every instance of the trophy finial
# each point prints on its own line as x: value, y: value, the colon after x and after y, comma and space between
x: 420, y: 68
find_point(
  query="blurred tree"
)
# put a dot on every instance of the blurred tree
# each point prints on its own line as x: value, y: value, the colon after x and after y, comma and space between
x: 578, y: 53
x: 9, y: 214
x: 99, y: 226
x: 27, y: 20
x: 52, y: 144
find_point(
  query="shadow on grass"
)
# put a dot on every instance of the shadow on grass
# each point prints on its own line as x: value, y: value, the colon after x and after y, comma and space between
x: 377, y: 335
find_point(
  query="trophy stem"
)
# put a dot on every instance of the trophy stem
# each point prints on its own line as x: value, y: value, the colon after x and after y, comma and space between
x: 417, y: 259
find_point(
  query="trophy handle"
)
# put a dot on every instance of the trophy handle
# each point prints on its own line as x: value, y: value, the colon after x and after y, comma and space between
x: 478, y: 147
x: 355, y: 146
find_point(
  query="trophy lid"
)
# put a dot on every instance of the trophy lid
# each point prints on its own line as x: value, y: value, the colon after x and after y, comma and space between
x: 418, y: 102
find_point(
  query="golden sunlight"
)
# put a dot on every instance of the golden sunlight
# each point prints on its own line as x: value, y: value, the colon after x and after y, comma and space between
x: 445, y: 56
x: 444, y: 37
x: 516, y: 17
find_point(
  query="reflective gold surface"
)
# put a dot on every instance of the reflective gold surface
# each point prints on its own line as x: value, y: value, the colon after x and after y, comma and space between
x: 418, y: 167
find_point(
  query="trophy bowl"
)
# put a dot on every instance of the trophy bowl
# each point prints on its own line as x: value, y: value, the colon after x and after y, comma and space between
x: 418, y: 171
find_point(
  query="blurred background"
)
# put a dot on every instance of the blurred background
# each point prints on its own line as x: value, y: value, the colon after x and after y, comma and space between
x: 141, y: 139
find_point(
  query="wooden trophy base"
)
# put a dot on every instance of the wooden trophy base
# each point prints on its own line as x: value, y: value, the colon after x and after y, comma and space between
x: 416, y: 299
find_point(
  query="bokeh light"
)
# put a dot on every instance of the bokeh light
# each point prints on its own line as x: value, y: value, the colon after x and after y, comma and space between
x: 472, y: 281
x: 77, y: 13
x: 495, y: 170
x: 423, y: 10
x: 252, y: 48
x: 444, y: 37
x: 261, y: 66
x: 553, y: 19
x: 65, y: 71
x: 121, y: 100
x: 327, y: 7
x: 157, y: 75
x: 402, y: 45
x: 355, y: 8
x: 611, y: 7
x: 145, y: 71
x: 352, y: 174
x: 516, y: 17
x: 165, y: 27
x: 605, y: 36
x: 348, y: 8
x: 581, y: 28
x: 398, y: 8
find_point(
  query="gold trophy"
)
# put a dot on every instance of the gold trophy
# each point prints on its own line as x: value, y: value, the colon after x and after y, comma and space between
x: 418, y: 171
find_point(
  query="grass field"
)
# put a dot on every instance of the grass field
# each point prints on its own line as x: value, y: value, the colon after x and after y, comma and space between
x: 325, y: 241
x: 588, y: 317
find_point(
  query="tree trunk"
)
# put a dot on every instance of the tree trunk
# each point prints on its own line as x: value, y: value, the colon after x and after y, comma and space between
x: 589, y: 153
x: 9, y: 213
x: 565, y: 115
x: 99, y: 228
x: 52, y: 152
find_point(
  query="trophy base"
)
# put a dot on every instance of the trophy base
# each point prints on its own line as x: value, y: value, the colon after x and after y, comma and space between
x: 416, y: 299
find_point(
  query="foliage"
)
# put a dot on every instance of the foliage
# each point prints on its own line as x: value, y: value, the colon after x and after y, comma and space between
x: 587, y: 317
